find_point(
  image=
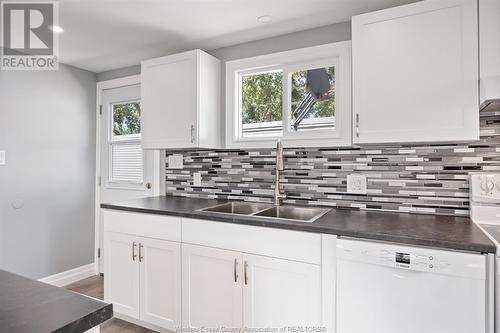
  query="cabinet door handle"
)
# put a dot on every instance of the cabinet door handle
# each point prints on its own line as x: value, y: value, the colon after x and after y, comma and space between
x: 193, y: 133
x: 235, y: 270
x: 133, y: 251
x: 141, y: 257
x: 357, y: 125
x: 246, y: 272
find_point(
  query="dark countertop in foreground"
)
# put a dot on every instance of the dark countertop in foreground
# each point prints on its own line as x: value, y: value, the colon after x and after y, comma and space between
x: 29, y: 306
x: 448, y: 232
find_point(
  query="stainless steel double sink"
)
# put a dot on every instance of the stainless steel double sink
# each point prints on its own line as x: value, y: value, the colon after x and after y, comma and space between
x: 287, y: 212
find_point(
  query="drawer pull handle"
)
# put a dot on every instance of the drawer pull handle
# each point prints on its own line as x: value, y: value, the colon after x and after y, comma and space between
x: 246, y: 272
x: 141, y: 257
x: 235, y: 270
x: 133, y: 251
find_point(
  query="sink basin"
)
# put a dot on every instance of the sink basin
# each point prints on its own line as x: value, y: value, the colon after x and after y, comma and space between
x: 304, y: 214
x: 241, y: 208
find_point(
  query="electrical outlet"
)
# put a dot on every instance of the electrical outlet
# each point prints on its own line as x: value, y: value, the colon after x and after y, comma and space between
x: 197, y: 179
x: 175, y: 161
x: 2, y: 157
x: 356, y: 184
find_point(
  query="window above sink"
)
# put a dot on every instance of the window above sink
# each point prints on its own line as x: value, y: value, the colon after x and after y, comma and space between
x: 302, y: 97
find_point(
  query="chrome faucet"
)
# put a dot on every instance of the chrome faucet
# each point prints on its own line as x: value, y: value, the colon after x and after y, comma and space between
x: 279, y: 194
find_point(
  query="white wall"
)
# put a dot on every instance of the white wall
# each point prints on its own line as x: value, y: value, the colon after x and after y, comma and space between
x: 47, y: 127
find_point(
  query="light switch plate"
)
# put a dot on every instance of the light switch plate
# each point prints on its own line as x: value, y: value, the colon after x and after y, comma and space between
x: 197, y: 179
x: 2, y: 157
x: 175, y: 161
x: 356, y: 184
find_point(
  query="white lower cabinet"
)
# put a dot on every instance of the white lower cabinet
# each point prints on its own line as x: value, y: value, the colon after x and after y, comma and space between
x: 279, y: 293
x: 121, y: 275
x: 166, y: 272
x: 143, y: 278
x: 223, y: 288
x: 160, y: 282
x: 211, y: 287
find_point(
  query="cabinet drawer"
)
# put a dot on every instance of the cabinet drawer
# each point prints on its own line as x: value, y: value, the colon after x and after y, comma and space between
x: 146, y: 225
x: 285, y: 244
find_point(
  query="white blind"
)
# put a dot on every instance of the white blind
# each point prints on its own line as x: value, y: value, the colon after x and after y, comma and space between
x: 126, y: 162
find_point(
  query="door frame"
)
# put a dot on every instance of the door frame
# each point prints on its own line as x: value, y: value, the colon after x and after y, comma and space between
x: 157, y: 159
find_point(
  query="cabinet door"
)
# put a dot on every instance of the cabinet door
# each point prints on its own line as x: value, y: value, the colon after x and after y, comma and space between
x: 121, y: 273
x: 160, y: 286
x: 415, y: 73
x: 169, y: 101
x: 211, y: 287
x: 279, y: 292
x: 489, y: 42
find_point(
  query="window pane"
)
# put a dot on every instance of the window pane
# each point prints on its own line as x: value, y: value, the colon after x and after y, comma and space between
x: 313, y: 99
x: 126, y: 118
x: 126, y: 162
x: 261, y: 104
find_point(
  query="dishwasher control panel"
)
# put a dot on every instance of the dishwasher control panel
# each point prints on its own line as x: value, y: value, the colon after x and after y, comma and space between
x: 412, y: 258
x: 406, y: 259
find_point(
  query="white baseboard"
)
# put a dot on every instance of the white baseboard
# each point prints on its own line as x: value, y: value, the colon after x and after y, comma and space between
x: 70, y: 276
x: 141, y: 323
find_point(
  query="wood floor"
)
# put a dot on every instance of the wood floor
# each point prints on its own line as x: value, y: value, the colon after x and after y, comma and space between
x: 94, y: 287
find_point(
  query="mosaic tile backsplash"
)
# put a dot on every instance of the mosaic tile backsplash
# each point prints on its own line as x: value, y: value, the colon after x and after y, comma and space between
x: 426, y: 179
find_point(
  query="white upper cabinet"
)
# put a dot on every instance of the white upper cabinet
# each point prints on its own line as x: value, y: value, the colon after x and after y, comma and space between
x: 181, y: 101
x: 489, y: 50
x: 415, y: 73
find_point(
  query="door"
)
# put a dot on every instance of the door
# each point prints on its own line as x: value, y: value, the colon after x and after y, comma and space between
x: 160, y: 290
x: 279, y: 293
x: 211, y: 287
x: 126, y: 171
x: 415, y: 73
x: 121, y: 277
x: 169, y: 91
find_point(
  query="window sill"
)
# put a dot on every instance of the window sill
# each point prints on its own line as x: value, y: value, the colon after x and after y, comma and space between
x: 270, y: 142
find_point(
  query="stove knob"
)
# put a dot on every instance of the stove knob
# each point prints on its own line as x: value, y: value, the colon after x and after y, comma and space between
x: 487, y: 186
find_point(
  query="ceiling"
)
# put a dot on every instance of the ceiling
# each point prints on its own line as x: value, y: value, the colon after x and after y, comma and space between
x: 101, y: 35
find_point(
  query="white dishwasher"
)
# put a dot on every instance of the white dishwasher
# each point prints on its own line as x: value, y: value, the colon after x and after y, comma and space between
x: 387, y: 288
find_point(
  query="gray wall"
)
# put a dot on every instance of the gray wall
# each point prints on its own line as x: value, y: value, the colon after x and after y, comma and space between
x: 118, y: 73
x: 47, y: 127
x: 317, y: 36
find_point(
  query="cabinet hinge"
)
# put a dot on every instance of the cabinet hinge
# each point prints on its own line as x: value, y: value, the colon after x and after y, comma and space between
x: 98, y: 252
x: 99, y: 180
x: 100, y: 109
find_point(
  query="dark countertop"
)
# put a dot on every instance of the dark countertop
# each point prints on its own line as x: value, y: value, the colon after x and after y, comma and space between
x: 448, y: 232
x: 29, y: 306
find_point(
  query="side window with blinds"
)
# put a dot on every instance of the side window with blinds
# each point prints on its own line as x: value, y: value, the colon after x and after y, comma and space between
x: 126, y: 161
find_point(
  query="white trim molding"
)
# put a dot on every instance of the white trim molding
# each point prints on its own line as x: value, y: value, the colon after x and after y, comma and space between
x: 67, y: 277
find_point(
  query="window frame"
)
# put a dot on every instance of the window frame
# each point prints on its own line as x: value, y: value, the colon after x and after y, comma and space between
x: 328, y: 55
x: 114, y: 140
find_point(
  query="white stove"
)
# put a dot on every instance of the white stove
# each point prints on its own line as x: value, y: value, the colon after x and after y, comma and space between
x: 485, y: 203
x: 485, y: 212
